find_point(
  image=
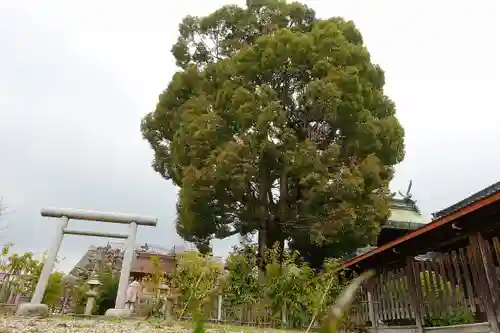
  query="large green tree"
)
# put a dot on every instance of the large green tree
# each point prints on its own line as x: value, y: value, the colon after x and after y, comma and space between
x: 276, y: 122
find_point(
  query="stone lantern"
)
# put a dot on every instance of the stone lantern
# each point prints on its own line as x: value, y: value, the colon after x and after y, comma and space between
x: 170, y: 301
x: 163, y: 290
x: 93, y: 283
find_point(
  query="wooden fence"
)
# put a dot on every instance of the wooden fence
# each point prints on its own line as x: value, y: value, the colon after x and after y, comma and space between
x: 259, y: 315
x: 460, y: 285
x: 13, y: 291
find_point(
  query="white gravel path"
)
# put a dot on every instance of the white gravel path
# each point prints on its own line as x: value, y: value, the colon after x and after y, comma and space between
x: 64, y: 325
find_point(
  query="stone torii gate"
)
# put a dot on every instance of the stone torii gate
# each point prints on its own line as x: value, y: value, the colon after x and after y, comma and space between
x: 35, y: 308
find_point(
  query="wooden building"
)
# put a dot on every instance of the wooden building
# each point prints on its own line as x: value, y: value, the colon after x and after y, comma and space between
x: 412, y: 292
x: 142, y: 264
x: 111, y: 255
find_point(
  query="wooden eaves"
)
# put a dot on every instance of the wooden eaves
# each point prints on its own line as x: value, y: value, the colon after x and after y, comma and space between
x: 480, y: 211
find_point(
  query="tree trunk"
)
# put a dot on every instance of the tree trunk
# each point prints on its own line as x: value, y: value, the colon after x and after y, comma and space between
x: 263, y: 224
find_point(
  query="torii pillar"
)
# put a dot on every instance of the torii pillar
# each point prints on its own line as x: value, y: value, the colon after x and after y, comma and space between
x: 35, y: 308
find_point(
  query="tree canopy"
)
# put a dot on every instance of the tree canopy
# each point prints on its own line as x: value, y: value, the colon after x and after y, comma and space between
x: 276, y: 122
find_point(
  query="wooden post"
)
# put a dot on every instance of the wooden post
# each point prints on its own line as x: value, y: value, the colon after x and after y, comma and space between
x: 220, y: 299
x: 372, y: 300
x: 479, y: 264
x: 415, y: 290
x: 168, y: 314
x: 19, y: 293
x: 283, y: 315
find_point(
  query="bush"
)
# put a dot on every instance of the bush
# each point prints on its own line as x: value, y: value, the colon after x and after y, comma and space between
x: 454, y: 317
x: 193, y: 280
x: 288, y: 284
x: 107, y: 291
x: 54, y: 290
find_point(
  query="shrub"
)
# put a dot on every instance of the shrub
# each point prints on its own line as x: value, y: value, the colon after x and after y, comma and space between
x: 107, y: 291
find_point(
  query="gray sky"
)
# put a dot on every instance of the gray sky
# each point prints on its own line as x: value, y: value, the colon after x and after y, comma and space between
x: 76, y: 77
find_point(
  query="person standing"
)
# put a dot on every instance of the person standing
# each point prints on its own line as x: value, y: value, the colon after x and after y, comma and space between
x: 132, y: 295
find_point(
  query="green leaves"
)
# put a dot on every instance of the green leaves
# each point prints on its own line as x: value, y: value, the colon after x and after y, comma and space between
x: 24, y: 271
x: 277, y: 122
x: 195, y: 274
x: 54, y: 290
x: 307, y: 295
x: 292, y: 285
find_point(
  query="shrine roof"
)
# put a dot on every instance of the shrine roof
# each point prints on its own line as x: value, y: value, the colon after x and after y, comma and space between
x: 406, y: 216
x: 450, y: 227
x: 492, y: 189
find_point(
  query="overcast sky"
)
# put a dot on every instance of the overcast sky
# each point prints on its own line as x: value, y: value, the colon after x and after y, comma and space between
x: 76, y: 77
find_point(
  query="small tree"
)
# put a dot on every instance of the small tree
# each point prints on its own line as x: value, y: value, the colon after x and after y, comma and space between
x: 108, y: 290
x: 54, y: 290
x: 23, y: 274
x: 243, y: 285
x: 289, y: 284
x: 152, y: 283
x: 157, y: 276
x: 194, y: 277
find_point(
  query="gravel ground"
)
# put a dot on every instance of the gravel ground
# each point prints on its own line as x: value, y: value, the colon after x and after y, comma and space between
x: 65, y: 325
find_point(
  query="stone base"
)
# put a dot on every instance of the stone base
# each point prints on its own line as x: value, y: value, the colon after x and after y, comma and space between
x: 120, y: 313
x: 32, y: 310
